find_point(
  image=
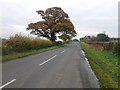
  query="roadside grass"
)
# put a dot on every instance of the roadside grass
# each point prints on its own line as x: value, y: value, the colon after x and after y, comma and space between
x: 18, y: 46
x: 16, y: 55
x: 104, y: 64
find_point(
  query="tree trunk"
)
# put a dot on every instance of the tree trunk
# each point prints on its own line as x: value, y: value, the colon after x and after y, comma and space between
x: 53, y: 37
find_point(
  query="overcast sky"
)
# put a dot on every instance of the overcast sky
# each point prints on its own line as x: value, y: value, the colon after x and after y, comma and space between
x: 89, y: 17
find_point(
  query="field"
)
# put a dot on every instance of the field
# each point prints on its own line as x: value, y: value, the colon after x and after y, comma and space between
x: 104, y: 62
x: 19, y: 46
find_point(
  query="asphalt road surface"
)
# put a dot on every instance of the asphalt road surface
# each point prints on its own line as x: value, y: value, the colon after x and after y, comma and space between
x: 65, y: 67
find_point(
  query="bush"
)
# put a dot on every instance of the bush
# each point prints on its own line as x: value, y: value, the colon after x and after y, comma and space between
x: 5, y: 48
x: 58, y: 43
x: 114, y: 47
x: 38, y: 44
x: 117, y: 48
x: 108, y: 46
x: 19, y: 43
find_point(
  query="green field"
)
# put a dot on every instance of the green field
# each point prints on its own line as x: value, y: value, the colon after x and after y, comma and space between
x: 104, y: 64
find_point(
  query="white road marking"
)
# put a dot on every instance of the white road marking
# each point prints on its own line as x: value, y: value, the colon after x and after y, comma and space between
x: 62, y: 51
x: 47, y: 60
x: 91, y: 69
x: 7, y: 83
x: 51, y: 58
x: 83, y: 52
x: 87, y: 62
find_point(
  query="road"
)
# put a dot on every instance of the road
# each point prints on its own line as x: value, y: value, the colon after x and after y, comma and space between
x: 65, y: 67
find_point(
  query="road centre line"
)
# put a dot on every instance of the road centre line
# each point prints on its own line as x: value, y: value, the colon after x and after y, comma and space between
x: 51, y: 58
x: 7, y: 84
x: 63, y: 51
x: 39, y: 64
x: 48, y: 60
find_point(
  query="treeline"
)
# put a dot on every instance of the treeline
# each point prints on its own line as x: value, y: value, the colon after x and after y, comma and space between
x: 103, y: 42
x: 19, y: 43
x: 101, y: 37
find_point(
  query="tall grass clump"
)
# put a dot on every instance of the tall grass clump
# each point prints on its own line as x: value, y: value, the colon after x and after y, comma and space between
x: 38, y: 44
x: 19, y: 43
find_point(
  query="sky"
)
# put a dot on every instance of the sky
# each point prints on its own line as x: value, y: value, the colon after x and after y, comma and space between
x: 89, y: 17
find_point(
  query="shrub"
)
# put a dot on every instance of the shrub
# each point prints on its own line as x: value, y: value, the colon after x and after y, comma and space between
x: 114, y: 47
x: 19, y: 43
x: 108, y: 46
x: 5, y: 48
x: 58, y: 43
x: 37, y: 43
x: 117, y: 48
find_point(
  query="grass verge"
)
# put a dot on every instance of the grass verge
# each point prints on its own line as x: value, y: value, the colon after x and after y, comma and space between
x: 104, y: 64
x: 23, y: 54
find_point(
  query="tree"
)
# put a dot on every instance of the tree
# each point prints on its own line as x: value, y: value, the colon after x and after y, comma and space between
x: 93, y: 38
x: 102, y: 37
x: 55, y: 21
x: 65, y: 37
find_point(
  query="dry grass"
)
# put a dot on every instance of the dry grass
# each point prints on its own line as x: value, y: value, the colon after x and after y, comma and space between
x: 19, y: 43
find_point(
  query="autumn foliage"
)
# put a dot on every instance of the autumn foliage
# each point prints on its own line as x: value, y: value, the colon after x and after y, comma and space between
x: 54, y: 21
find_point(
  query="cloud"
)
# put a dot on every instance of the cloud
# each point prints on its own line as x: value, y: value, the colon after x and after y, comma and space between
x: 88, y: 16
x: 12, y: 30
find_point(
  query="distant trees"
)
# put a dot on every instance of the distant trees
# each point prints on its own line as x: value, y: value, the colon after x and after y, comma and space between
x: 55, y: 21
x: 101, y: 37
x: 93, y: 38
